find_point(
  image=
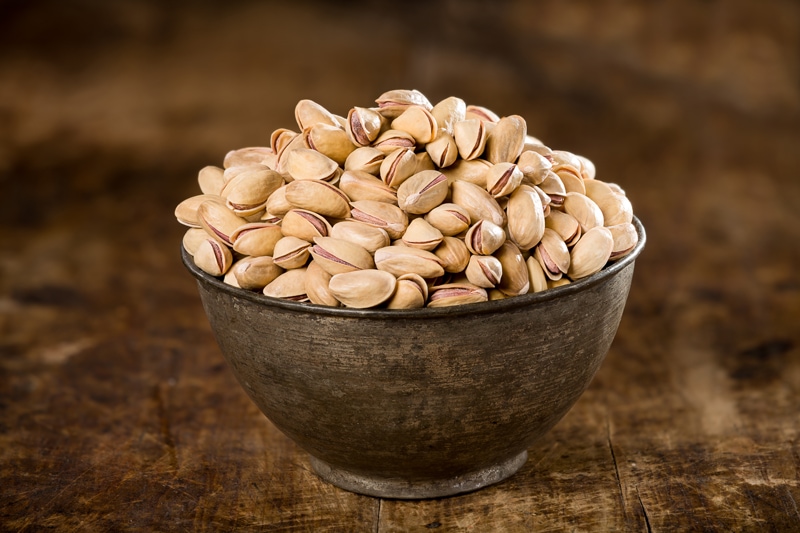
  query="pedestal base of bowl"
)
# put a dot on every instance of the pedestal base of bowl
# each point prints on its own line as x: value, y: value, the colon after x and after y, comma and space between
x: 413, y: 490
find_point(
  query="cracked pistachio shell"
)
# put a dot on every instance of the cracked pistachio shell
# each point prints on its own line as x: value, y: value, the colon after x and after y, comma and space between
x: 470, y: 136
x: 515, y: 280
x: 230, y: 279
x: 456, y: 294
x: 496, y: 294
x: 616, y: 208
x: 424, y: 162
x: 554, y: 188
x: 250, y: 155
x: 392, y: 103
x: 553, y: 255
x: 506, y: 140
x: 410, y: 292
x: 291, y: 252
x: 308, y: 113
x: 319, y: 197
x: 336, y: 255
x: 450, y: 219
x: 422, y: 192
x: 502, y: 179
x: 484, y: 271
x: 625, y: 238
x: 585, y: 211
x: 572, y: 183
x: 305, y: 224
x: 277, y: 204
x: 369, y: 237
x: 453, y: 254
x: 545, y: 198
x: 417, y: 122
x: 186, y: 211
x: 365, y: 159
x: 478, y: 203
x: 473, y: 171
x: 297, y: 142
x: 390, y: 140
x: 449, y: 112
x: 531, y: 142
x: 256, y: 238
x: 443, y: 151
x: 359, y: 185
x: 219, y: 221
x: 399, y: 260
x: 484, y: 237
x: 331, y: 141
x: 536, y: 275
x: 210, y: 179
x: 588, y: 170
x: 280, y: 138
x: 291, y: 285
x: 213, y: 257
x: 398, y: 166
x: 420, y: 234
x: 247, y: 192
x: 192, y: 239
x: 308, y: 164
x: 317, y: 289
x: 481, y: 113
x: 364, y: 125
x: 555, y: 283
x: 362, y: 289
x: 534, y: 166
x: 255, y: 273
x: 565, y: 225
x: 526, y: 220
x: 388, y: 217
x: 590, y: 253
x: 566, y: 161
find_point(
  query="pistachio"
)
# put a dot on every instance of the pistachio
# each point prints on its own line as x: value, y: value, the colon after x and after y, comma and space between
x: 186, y: 211
x: 336, y: 255
x: 449, y: 112
x: 369, y: 237
x: 565, y: 225
x: 219, y: 221
x: 572, y: 183
x: 453, y: 254
x: 591, y: 252
x: 192, y: 239
x: 420, y: 234
x: 443, y: 150
x: 331, y: 141
x: 484, y: 271
x: 364, y: 125
x: 318, y: 196
x: 246, y: 156
x: 213, y: 257
x: 496, y: 294
x: 503, y: 179
x: 585, y: 211
x: 534, y: 166
x: 210, y: 180
x: 470, y: 136
x: 316, y: 284
x: 422, y: 192
x: 277, y: 204
x: 399, y: 260
x: 615, y: 207
x: 411, y: 292
x: 417, y: 122
x: 554, y: 187
x: 390, y: 140
x: 481, y: 113
x: 484, y: 237
x: 365, y: 159
x: 515, y: 279
x: 456, y: 294
x: 478, y: 203
x: 424, y: 162
x: 553, y: 284
x: 536, y: 275
x: 229, y: 278
x: 398, y: 166
x: 545, y: 198
x: 616, y: 188
x: 247, y: 192
x: 308, y: 164
x: 531, y: 142
x: 358, y: 185
x: 392, y: 103
x: 588, y: 170
x: 255, y: 273
x: 256, y: 238
x: 305, y: 224
x: 279, y: 139
x: 291, y: 252
x: 291, y: 285
x: 526, y: 220
x: 308, y: 113
x: 388, y: 217
x: 297, y: 142
x: 625, y: 239
x: 504, y: 143
x: 552, y: 254
x: 566, y: 161
x: 362, y: 289
x: 449, y: 219
x: 473, y: 171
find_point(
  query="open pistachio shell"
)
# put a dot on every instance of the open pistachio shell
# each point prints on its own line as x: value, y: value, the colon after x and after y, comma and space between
x: 336, y: 255
x: 484, y: 237
x: 506, y: 140
x: 331, y: 141
x: 364, y: 125
x: 503, y: 179
x: 625, y: 239
x: 363, y: 289
x: 410, y: 292
x: 192, y: 239
x: 526, y: 220
x: 591, y: 252
x: 534, y: 166
x: 443, y: 150
x: 422, y: 192
x: 392, y: 103
x: 449, y: 112
x: 369, y: 237
x: 247, y: 192
x: 484, y: 271
x: 420, y: 234
x: 186, y: 211
x: 553, y: 255
x: 536, y: 275
x: 263, y: 155
x: 417, y: 122
x: 482, y: 113
x: 210, y: 179
x: 390, y: 140
x: 382, y: 215
x: 291, y: 285
x: 470, y: 136
x: 318, y: 196
x: 473, y: 171
x: 219, y: 221
x: 456, y: 294
x: 255, y: 273
x: 478, y: 203
x: 358, y: 185
x: 256, y: 238
x: 308, y: 113
x: 584, y: 209
x: 449, y: 219
x: 453, y: 254
x: 366, y: 159
x: 305, y: 224
x: 213, y: 257
x: 399, y: 260
x: 515, y: 279
x: 291, y: 252
x: 398, y: 166
x: 565, y: 225
x: 316, y: 284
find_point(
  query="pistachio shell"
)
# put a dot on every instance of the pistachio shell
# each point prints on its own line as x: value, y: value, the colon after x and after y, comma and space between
x: 255, y: 273
x: 585, y: 211
x: 515, y: 279
x: 449, y: 219
x: 484, y: 237
x: 536, y: 275
x: 553, y: 255
x: 422, y: 192
x: 390, y: 140
x: 230, y: 278
x: 213, y: 257
x: 591, y: 252
x: 218, y: 220
x: 362, y: 289
x: 484, y: 271
x: 308, y: 113
x: 399, y: 260
x: 588, y: 170
x: 449, y: 112
x: 410, y: 293
x: 366, y: 159
x: 263, y: 155
x: 456, y: 294
x: 470, y: 136
x: 473, y: 171
x: 565, y: 225
x: 482, y: 113
x: 192, y: 239
x: 417, y: 122
x: 625, y: 239
x: 291, y: 252
x: 308, y: 164
x: 420, y: 234
x: 502, y: 179
x: 318, y: 196
x: 531, y: 142
x: 279, y: 139
x: 316, y: 284
x: 554, y: 188
x: 369, y: 237
x: 443, y: 150
x: 534, y: 166
x: 330, y: 141
x: 297, y: 142
x: 526, y: 220
x: 291, y: 285
x: 453, y: 254
x: 358, y: 185
x: 398, y: 166
x: 424, y: 162
x: 305, y: 224
x: 277, y: 204
x: 364, y: 125
x: 504, y: 143
x: 211, y: 180
x: 186, y: 211
x: 247, y: 192
x: 393, y: 103
x: 572, y: 183
x: 389, y: 217
x: 552, y: 284
x: 478, y: 203
x: 256, y: 238
x: 336, y: 255
x: 566, y: 161
x: 615, y: 207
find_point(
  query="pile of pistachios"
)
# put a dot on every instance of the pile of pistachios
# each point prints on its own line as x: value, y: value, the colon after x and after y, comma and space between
x: 404, y: 205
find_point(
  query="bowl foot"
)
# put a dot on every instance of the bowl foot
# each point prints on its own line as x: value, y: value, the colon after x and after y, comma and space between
x: 410, y: 490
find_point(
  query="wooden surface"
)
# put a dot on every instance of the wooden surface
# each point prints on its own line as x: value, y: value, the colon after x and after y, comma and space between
x: 117, y: 412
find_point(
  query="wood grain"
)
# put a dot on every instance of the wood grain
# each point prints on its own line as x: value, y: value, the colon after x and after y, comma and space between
x: 117, y: 412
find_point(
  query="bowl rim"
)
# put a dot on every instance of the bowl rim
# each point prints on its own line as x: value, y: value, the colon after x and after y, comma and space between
x: 494, y: 306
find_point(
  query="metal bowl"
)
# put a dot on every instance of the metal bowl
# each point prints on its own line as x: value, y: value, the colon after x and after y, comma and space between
x: 419, y: 403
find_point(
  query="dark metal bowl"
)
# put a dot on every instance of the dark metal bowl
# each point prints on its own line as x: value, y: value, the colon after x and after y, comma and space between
x: 419, y: 403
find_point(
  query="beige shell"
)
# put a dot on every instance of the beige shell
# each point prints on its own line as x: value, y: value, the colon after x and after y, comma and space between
x: 291, y: 252
x: 230, y: 278
x: 362, y: 289
x: 588, y: 171
x: 297, y: 142
x: 213, y: 257
x: 420, y: 234
x: 456, y: 294
x: 554, y: 188
x: 277, y: 204
x: 316, y: 284
x: 211, y: 180
x: 319, y: 197
x: 424, y: 162
x: 186, y: 211
x: 279, y: 139
x: 219, y: 221
x: 473, y: 171
x: 398, y: 166
x: 308, y: 164
x: 553, y: 255
x: 484, y: 271
x: 515, y: 279
x: 392, y: 103
x: 526, y: 220
x: 616, y: 208
x: 534, y: 166
x: 572, y: 183
x: 256, y: 238
x: 308, y: 113
x: 478, y: 203
x: 453, y: 254
x: 449, y: 112
x: 585, y: 211
x: 565, y: 225
x: 336, y: 255
x: 263, y: 155
x: 505, y: 141
x: 566, y: 161
x: 552, y: 284
x: 388, y: 217
x: 330, y: 141
x: 305, y: 224
x: 422, y: 192
x: 363, y: 125
x: 449, y: 219
x: 417, y: 122
x: 390, y: 140
x: 247, y: 192
x: 399, y: 260
x: 358, y: 185
x: 625, y: 239
x: 536, y: 275
x: 484, y: 237
x: 503, y: 179
x: 291, y: 285
x: 365, y: 159
x: 192, y: 239
x: 481, y: 113
x: 255, y: 273
x: 443, y: 150
x: 411, y: 292
x: 369, y: 237
x: 470, y: 136
x: 590, y: 253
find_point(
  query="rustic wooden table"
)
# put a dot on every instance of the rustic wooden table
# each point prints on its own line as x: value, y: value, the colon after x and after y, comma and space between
x: 117, y: 411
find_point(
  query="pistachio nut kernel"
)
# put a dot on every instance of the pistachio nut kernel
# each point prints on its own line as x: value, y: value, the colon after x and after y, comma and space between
x: 470, y: 136
x: 365, y: 159
x: 319, y: 197
x: 186, y: 211
x: 398, y: 166
x: 364, y: 125
x: 536, y: 275
x: 291, y: 285
x: 449, y: 112
x: 506, y: 140
x: 399, y: 260
x: 305, y: 224
x: 449, y: 219
x: 456, y: 294
x: 363, y: 289
x: 291, y: 252
x: 210, y: 180
x: 443, y: 150
x: 585, y: 211
x: 330, y: 141
x: 515, y: 279
x: 526, y: 220
x: 219, y: 221
x: 422, y: 192
x: 316, y: 284
x: 503, y: 179
x: 255, y: 273
x: 484, y: 237
x: 591, y: 252
x: 256, y: 238
x: 453, y: 254
x: 477, y: 202
x: 213, y: 257
x: 358, y: 185
x: 308, y: 113
x: 388, y: 217
x: 420, y: 234
x: 417, y: 122
x: 392, y: 103
x: 411, y: 292
x: 369, y: 237
x: 553, y: 255
x: 336, y: 255
x: 484, y: 271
